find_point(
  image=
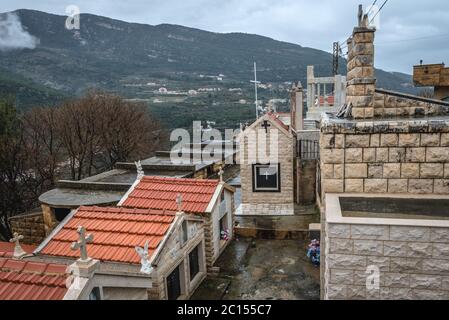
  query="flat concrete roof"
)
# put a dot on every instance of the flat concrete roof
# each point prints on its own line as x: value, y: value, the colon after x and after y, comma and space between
x: 73, y: 198
x: 334, y: 211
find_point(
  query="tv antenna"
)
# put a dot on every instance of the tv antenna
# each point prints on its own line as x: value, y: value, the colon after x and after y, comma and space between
x: 255, y: 90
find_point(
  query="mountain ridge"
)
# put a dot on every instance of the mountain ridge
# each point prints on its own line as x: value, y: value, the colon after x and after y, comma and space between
x: 107, y: 52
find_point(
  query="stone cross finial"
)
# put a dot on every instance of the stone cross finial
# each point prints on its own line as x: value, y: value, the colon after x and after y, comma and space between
x: 363, y: 18
x: 19, y: 253
x: 140, y: 172
x: 220, y: 174
x: 179, y: 202
x: 81, y: 244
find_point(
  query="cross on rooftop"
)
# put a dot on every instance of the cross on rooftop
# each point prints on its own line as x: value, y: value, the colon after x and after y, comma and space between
x: 18, y: 251
x: 266, y: 125
x: 179, y: 202
x: 81, y: 244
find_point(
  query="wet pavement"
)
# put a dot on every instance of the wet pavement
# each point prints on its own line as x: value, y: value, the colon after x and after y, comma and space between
x: 263, y: 270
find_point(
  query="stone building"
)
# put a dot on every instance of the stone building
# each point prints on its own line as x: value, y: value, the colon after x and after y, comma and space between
x: 211, y: 201
x: 135, y: 254
x: 108, y: 188
x: 384, y: 189
x: 266, y: 167
x: 433, y: 75
x: 278, y: 161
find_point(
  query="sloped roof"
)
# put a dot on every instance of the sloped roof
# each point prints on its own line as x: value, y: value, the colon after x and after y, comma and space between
x: 160, y: 193
x: 7, y: 249
x: 275, y: 117
x: 27, y: 280
x: 116, y: 231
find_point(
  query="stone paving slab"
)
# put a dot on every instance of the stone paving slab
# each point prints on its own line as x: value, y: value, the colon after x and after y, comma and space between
x: 266, y: 270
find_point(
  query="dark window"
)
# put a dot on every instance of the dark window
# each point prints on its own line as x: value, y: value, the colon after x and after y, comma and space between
x: 185, y: 234
x: 222, y: 197
x: 174, y: 285
x: 194, y: 262
x: 61, y: 213
x: 266, y: 178
x: 95, y: 294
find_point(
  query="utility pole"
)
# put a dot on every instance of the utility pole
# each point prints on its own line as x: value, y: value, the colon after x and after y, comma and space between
x: 255, y: 90
x: 336, y: 57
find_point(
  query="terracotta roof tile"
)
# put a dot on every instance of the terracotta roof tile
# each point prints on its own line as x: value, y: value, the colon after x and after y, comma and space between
x: 275, y: 117
x: 7, y: 249
x: 116, y: 233
x: 160, y: 193
x: 27, y: 280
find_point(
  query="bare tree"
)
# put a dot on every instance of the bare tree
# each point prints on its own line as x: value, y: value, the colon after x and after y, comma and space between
x: 43, y: 145
x: 89, y: 135
x: 128, y: 132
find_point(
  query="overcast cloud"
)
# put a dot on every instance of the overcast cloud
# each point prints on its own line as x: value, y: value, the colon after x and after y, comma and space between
x: 309, y: 23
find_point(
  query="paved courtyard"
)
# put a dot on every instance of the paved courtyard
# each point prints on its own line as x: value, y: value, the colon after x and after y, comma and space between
x: 263, y: 270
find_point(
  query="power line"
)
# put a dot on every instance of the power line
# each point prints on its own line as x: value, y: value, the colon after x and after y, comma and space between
x: 372, y: 6
x: 383, y: 5
x: 416, y: 39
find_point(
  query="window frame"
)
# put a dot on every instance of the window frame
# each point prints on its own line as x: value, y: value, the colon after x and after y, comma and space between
x: 254, y: 177
x: 198, y: 271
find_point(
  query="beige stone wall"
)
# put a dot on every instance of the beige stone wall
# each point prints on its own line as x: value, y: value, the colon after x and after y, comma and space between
x: 285, y: 147
x: 170, y: 259
x: 416, y: 163
x: 413, y: 262
x: 30, y: 226
x: 392, y: 105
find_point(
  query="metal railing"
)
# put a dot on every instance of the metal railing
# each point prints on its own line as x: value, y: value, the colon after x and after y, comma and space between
x: 308, y: 150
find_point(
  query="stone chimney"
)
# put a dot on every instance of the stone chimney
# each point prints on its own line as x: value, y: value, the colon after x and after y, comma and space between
x: 361, y: 79
x: 297, y: 106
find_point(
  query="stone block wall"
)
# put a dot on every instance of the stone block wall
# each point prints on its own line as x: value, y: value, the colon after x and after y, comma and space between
x: 30, y: 226
x: 413, y: 262
x: 367, y: 101
x: 385, y: 157
x: 361, y: 79
x: 388, y: 104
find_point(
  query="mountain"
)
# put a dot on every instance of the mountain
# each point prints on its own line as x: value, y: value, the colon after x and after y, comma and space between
x: 106, y: 51
x: 27, y: 93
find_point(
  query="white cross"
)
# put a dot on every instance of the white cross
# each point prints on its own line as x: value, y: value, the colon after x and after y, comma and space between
x: 81, y: 244
x: 18, y: 251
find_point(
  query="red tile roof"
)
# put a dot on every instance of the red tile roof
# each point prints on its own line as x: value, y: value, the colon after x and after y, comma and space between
x: 7, y: 249
x: 275, y: 117
x: 161, y: 193
x: 27, y: 280
x: 116, y: 232
x: 330, y: 100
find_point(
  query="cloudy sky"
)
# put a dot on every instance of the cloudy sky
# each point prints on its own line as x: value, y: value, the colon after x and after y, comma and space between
x: 409, y: 30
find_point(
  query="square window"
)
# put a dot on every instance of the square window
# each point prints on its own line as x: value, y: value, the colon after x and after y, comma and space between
x: 266, y: 178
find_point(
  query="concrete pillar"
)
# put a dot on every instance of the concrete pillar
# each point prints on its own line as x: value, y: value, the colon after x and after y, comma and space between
x: 297, y: 106
x: 310, y: 87
x: 360, y: 77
